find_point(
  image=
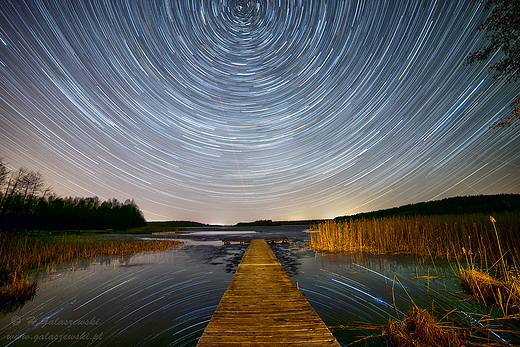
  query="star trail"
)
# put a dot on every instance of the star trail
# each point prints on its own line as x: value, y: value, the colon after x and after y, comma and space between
x: 238, y: 110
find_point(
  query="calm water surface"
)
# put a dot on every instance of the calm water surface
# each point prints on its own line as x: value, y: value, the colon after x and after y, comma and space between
x: 167, y: 298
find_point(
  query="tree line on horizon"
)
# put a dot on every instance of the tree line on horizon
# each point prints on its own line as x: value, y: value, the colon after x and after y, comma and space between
x: 27, y: 204
x: 455, y: 205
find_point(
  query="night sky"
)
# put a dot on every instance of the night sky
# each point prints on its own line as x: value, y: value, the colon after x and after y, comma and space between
x: 227, y: 111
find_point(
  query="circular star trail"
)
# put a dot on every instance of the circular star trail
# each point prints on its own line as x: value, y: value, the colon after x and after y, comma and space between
x: 237, y: 110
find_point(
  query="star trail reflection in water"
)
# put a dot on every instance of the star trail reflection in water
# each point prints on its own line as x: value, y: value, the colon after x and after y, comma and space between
x: 167, y: 298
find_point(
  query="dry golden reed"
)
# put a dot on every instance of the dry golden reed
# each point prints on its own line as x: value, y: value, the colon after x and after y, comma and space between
x: 487, y: 290
x: 421, y: 329
x: 18, y: 254
x: 443, y: 236
x: 14, y: 294
x: 493, y: 242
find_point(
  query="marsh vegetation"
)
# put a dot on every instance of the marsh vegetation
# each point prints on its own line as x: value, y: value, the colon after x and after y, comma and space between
x: 438, y: 236
x: 483, y: 251
x: 31, y: 215
x: 23, y: 257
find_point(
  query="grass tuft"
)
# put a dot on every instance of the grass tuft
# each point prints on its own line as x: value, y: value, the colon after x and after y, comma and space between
x: 421, y: 329
x: 487, y: 290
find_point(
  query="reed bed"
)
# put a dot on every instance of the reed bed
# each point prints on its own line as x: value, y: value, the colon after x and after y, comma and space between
x: 444, y: 236
x: 486, y: 249
x: 19, y: 254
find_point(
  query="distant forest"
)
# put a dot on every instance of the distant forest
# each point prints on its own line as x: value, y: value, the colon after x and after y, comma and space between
x: 26, y: 204
x: 262, y: 222
x: 456, y: 205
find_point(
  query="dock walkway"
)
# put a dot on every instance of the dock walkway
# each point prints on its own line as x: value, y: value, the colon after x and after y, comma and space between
x: 242, y: 239
x: 263, y: 307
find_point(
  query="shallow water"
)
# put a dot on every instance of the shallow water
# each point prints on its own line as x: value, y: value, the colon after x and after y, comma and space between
x: 167, y: 298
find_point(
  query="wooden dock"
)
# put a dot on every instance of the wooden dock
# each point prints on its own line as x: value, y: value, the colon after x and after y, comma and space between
x: 263, y: 307
x: 242, y: 239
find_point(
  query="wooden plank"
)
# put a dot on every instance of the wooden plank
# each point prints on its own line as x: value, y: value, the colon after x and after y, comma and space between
x: 242, y: 239
x: 263, y: 307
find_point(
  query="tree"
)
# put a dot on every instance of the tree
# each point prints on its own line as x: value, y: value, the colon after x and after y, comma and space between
x: 4, y: 171
x: 25, y: 204
x: 502, y: 32
x: 12, y: 191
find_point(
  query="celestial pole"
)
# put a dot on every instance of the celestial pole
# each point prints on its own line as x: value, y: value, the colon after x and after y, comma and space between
x: 224, y: 115
x: 299, y: 109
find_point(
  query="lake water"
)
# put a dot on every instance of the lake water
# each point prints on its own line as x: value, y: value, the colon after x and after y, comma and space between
x: 167, y: 298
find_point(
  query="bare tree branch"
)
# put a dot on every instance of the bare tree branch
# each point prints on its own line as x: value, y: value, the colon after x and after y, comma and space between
x: 502, y: 33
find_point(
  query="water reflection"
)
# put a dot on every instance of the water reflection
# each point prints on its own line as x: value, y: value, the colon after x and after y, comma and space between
x: 167, y: 298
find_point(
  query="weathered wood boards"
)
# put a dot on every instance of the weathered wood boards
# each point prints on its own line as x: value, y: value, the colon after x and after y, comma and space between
x: 263, y: 307
x: 273, y: 239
